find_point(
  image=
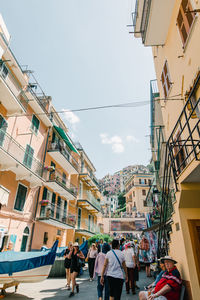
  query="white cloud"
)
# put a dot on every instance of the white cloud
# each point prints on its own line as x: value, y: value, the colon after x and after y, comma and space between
x: 115, y: 142
x: 131, y: 138
x: 71, y: 117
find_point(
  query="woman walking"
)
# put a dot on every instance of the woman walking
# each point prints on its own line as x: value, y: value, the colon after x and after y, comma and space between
x: 75, y: 255
x: 92, y: 254
x: 115, y: 264
x: 99, y: 263
x: 67, y: 264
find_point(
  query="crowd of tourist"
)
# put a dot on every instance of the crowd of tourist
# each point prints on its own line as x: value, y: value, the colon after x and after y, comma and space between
x: 117, y: 263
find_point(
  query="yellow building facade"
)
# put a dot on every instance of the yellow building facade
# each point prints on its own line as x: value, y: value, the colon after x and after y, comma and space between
x: 137, y: 188
x: 88, y: 202
x: 172, y: 29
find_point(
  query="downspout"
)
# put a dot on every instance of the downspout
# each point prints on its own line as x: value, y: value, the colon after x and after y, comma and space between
x: 38, y: 194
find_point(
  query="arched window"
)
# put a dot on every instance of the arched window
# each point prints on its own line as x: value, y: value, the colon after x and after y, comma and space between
x: 25, y: 239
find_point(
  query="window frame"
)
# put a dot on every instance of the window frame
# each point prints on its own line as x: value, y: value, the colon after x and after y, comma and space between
x: 2, y: 132
x: 144, y: 192
x: 185, y: 22
x: 32, y: 127
x: 166, y: 80
x: 14, y: 208
x: 26, y: 164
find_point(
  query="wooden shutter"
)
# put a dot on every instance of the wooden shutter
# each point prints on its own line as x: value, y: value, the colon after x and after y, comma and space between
x: 20, y: 198
x: 28, y: 156
x: 185, y: 19
x: 53, y: 201
x: 35, y: 124
x: 44, y: 196
x: 165, y: 79
x: 3, y: 128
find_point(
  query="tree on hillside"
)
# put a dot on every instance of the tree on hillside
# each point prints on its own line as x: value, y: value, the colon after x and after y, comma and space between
x: 121, y: 200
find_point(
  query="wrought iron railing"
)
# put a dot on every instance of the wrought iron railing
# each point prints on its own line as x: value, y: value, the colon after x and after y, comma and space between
x: 89, y: 226
x: 57, y: 177
x: 16, y: 151
x: 63, y: 150
x: 58, y: 213
x: 182, y: 147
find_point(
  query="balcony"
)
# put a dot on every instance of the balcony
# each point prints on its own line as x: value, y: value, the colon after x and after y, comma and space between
x: 183, y: 145
x: 12, y: 96
x: 88, y: 177
x: 56, y: 181
x: 13, y: 157
x: 56, y: 216
x: 153, y: 18
x: 61, y: 155
x: 87, y: 228
x: 90, y: 203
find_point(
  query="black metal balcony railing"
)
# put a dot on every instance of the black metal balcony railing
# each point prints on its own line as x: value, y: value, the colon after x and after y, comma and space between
x: 57, y: 213
x: 184, y: 142
x: 182, y: 147
x: 58, y: 177
x: 16, y: 151
x: 85, y: 170
x: 63, y: 150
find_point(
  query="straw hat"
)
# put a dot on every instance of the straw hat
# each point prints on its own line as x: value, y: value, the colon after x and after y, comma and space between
x: 167, y: 258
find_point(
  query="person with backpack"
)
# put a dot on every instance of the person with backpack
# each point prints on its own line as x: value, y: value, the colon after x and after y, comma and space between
x: 115, y: 264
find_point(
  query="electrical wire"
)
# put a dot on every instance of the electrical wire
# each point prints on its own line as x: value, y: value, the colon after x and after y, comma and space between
x: 122, y: 105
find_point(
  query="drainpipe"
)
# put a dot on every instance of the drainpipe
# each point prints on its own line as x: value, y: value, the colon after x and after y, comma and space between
x: 38, y: 194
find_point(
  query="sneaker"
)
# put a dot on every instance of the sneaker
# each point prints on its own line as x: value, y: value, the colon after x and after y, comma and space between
x: 90, y: 279
x: 77, y: 288
x: 68, y: 287
x: 71, y: 294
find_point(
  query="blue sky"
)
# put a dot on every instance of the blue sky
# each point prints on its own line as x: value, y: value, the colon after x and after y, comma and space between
x: 83, y: 55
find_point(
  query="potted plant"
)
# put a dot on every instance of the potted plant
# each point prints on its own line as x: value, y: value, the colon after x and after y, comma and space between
x: 44, y: 202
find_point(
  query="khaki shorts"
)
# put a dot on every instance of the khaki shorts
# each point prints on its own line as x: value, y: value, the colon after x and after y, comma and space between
x: 157, y: 298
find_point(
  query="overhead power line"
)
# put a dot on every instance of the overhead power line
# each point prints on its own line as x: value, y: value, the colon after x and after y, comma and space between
x: 122, y: 105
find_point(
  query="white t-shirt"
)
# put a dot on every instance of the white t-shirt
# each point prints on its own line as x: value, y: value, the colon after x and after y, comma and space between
x: 114, y: 269
x: 128, y: 254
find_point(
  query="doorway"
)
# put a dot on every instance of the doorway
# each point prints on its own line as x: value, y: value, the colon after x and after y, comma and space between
x: 194, y: 226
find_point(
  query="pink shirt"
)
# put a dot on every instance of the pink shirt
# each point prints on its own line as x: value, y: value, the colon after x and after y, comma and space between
x: 99, y: 263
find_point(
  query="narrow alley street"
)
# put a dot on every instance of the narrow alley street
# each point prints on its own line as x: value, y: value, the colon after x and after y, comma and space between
x: 55, y: 289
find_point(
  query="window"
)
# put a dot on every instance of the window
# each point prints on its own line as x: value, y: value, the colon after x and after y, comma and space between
x: 35, y: 124
x: 89, y: 222
x: 165, y: 79
x: 139, y: 181
x: 144, y: 192
x: 28, y: 156
x: 145, y: 203
x: 4, y: 70
x: 25, y: 239
x: 133, y: 193
x: 149, y: 181
x: 45, y: 238
x: 3, y: 128
x: 53, y: 201
x: 20, y: 197
x: 185, y: 19
x: 65, y: 211
x: 58, y: 208
x: 79, y: 217
x: 64, y: 179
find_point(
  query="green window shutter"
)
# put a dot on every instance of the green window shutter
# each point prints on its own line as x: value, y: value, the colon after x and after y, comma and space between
x: 65, y: 208
x: 58, y: 208
x: 3, y: 128
x: 44, y: 196
x: 28, y: 156
x: 35, y: 124
x: 20, y: 198
x: 53, y: 201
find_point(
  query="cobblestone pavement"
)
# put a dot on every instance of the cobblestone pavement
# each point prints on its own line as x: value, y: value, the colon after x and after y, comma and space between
x: 55, y: 289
